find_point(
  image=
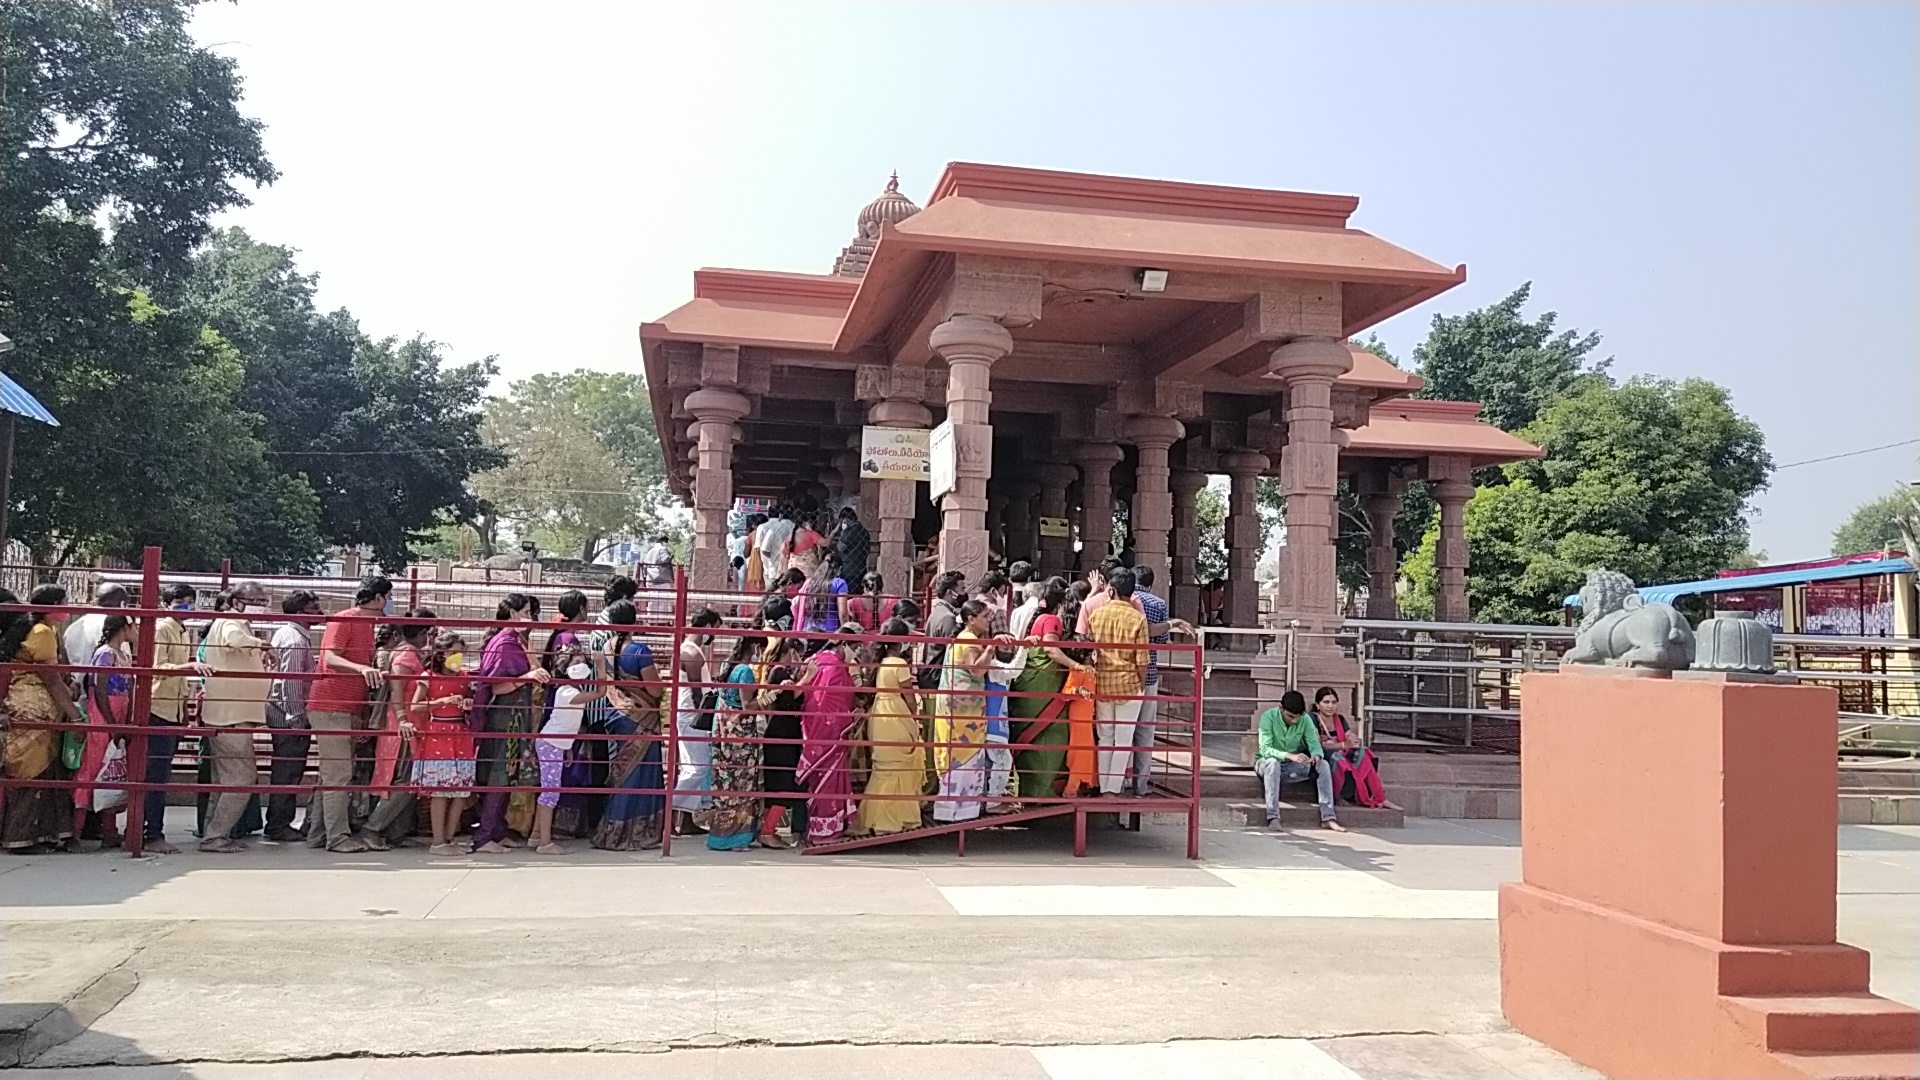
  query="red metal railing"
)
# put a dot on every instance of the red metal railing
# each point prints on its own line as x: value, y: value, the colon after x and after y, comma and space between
x: 1174, y: 734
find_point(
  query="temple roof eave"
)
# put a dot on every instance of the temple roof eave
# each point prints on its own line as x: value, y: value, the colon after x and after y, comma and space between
x: 1416, y: 427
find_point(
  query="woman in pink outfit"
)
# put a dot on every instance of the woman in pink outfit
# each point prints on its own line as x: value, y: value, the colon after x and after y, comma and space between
x: 826, y: 719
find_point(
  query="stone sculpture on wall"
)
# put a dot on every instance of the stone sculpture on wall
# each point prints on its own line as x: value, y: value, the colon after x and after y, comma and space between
x: 1619, y: 629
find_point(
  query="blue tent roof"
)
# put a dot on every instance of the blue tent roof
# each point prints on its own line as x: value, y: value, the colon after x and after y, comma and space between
x: 15, y: 399
x: 1666, y: 594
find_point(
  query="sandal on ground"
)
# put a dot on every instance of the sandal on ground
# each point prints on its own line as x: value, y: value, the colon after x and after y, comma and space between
x: 349, y: 845
x: 159, y: 847
x: 549, y: 848
x: 1333, y: 826
x: 447, y: 849
x: 220, y: 845
x: 491, y: 847
x: 775, y: 841
x: 374, y: 841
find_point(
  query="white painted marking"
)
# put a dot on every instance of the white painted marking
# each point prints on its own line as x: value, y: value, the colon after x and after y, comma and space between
x: 1305, y: 894
x: 1240, y: 1059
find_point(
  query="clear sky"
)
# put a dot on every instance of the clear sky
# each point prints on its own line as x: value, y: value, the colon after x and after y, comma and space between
x: 1721, y: 191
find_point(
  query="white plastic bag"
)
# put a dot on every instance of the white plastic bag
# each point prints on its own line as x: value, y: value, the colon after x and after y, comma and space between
x: 113, y: 770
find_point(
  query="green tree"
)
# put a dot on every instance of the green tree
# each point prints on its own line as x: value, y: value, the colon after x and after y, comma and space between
x: 112, y: 107
x: 385, y: 432
x: 1888, y: 522
x: 1210, y: 521
x: 1514, y: 367
x: 1653, y: 478
x: 583, y: 468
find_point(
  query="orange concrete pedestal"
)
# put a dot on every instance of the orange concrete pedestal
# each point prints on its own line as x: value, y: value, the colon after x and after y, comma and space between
x: 1679, y: 865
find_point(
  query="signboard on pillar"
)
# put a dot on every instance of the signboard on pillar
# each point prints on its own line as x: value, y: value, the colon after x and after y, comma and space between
x: 943, y: 460
x: 1057, y: 528
x: 888, y: 453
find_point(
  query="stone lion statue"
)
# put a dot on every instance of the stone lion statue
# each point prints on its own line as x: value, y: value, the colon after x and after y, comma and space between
x: 1619, y: 629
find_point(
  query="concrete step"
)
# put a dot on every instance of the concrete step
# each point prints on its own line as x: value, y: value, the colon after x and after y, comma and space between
x: 1295, y: 815
x: 1877, y: 808
x: 1827, y: 1023
x: 1854, y: 1066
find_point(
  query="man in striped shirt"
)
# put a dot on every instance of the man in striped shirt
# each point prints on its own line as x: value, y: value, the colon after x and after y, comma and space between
x: 1120, y: 678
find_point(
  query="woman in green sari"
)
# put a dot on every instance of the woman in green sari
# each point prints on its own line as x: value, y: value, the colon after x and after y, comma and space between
x: 1041, y: 768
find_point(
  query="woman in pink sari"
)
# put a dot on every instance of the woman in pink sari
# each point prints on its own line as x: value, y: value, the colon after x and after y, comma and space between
x: 827, y: 717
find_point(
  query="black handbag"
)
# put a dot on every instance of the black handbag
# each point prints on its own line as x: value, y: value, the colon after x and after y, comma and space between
x: 703, y: 720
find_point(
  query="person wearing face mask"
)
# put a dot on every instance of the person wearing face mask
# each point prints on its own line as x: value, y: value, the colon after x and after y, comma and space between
x: 236, y: 695
x: 506, y: 703
x: 336, y: 703
x: 173, y: 652
x: 556, y: 742
x: 443, y: 745
x: 292, y: 644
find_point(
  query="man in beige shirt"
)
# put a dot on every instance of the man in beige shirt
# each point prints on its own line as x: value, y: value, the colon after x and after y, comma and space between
x: 172, y: 651
x: 236, y: 696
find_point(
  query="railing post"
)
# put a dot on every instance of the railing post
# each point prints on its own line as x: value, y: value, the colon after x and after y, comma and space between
x: 671, y: 725
x: 141, y: 712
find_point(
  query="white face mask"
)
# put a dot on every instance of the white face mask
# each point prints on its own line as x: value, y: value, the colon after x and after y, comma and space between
x: 580, y: 671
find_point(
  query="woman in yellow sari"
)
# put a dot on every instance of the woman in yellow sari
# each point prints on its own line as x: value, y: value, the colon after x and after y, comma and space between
x: 960, y: 722
x: 892, y: 800
x: 36, y: 818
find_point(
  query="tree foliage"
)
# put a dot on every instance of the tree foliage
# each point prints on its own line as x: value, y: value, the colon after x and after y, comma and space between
x: 1888, y: 522
x: 205, y: 405
x: 384, y: 430
x: 113, y: 107
x: 583, y: 467
x: 1514, y: 367
x: 1652, y: 477
x: 1210, y: 521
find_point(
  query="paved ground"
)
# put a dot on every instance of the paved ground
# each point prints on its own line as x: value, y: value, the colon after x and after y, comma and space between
x: 1279, y: 955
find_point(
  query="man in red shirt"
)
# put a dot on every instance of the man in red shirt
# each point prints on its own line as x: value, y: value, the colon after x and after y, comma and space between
x: 336, y: 703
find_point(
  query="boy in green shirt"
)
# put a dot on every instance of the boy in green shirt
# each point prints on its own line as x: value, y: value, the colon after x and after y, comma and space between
x: 1290, y: 750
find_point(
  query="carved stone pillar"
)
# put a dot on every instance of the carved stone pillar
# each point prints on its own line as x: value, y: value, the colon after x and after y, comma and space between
x: 1056, y: 552
x: 1152, y: 519
x: 1451, y: 489
x: 969, y: 344
x: 894, y: 501
x: 717, y: 416
x: 1096, y: 462
x: 1017, y: 519
x: 1381, y: 493
x: 1310, y: 476
x: 1184, y: 590
x: 1241, y: 605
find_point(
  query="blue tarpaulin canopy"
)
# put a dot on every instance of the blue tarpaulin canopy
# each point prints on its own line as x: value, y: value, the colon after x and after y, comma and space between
x: 15, y: 399
x: 1666, y: 594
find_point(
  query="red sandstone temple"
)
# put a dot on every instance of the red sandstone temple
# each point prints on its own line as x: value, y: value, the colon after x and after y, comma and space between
x: 1094, y: 341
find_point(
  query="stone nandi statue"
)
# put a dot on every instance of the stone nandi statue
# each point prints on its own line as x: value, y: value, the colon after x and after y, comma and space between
x: 1617, y: 628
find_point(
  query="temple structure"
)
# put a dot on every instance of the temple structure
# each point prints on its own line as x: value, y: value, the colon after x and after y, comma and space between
x: 1100, y: 345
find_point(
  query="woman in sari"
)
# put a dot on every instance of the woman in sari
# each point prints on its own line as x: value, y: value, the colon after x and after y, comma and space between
x: 782, y: 701
x: 825, y: 765
x: 1039, y: 766
x: 806, y: 547
x: 504, y: 704
x: 407, y: 670
x: 960, y: 722
x: 736, y: 756
x: 892, y: 799
x: 636, y: 815
x: 36, y: 818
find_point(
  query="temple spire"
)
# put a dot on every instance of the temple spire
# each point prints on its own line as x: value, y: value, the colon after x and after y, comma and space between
x: 891, y: 208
